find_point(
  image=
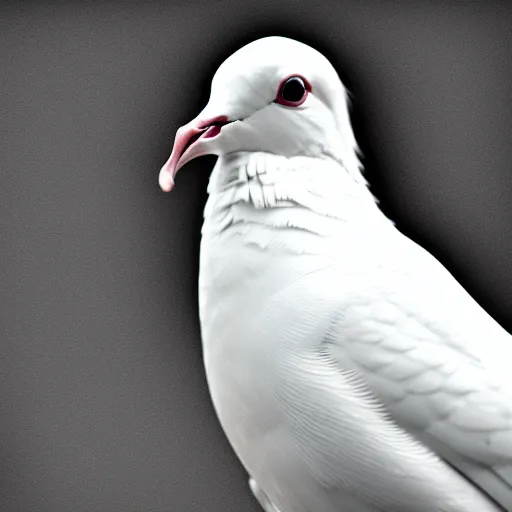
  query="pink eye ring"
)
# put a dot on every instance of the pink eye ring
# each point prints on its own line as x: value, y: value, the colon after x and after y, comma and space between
x: 293, y: 91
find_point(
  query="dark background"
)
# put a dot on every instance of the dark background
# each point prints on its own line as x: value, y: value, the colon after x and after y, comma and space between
x: 104, y: 404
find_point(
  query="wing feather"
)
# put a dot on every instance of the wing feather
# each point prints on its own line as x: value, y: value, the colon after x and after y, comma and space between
x: 438, y: 362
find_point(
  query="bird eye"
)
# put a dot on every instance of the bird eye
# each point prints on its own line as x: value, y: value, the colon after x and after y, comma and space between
x: 293, y: 91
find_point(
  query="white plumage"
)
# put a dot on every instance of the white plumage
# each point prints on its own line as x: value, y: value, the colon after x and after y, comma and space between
x: 349, y: 370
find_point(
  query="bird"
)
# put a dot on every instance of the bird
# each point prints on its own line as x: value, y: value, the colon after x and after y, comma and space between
x: 349, y: 370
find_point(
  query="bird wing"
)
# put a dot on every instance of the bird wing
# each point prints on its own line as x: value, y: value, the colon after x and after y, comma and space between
x: 392, y: 377
x: 437, y: 361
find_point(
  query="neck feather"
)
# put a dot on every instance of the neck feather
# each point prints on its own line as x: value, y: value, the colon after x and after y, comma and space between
x: 302, y: 193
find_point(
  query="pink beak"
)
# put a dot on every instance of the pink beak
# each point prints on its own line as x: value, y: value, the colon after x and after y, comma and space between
x: 188, y: 145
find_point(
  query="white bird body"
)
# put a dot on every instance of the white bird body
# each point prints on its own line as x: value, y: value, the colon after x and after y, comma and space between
x: 348, y: 368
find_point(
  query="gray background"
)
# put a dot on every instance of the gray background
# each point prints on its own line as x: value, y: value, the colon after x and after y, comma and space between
x: 104, y: 404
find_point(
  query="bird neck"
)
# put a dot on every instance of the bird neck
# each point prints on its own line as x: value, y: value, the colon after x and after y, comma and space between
x: 315, y: 194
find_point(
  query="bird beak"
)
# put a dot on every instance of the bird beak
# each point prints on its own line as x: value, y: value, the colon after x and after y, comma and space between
x: 191, y: 141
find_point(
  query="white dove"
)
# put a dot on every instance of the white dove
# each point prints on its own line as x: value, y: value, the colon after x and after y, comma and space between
x: 348, y: 368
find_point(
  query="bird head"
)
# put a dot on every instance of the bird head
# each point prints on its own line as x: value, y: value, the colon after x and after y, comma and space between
x: 274, y: 95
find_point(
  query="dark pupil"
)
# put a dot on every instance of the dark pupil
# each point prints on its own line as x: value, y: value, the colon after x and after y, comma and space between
x: 293, y: 89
